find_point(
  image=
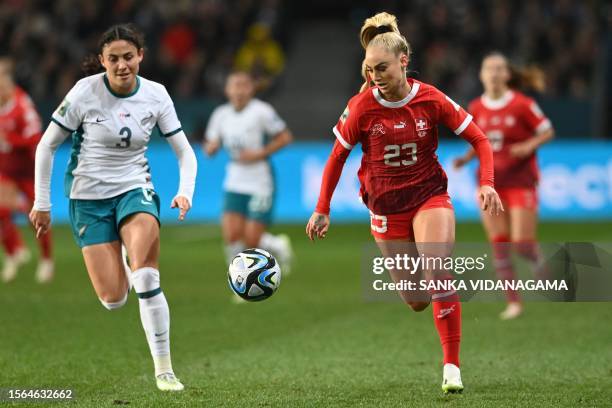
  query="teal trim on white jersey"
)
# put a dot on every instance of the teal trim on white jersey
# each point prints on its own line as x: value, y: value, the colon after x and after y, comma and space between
x: 62, y: 126
x: 117, y: 95
x: 77, y: 140
x: 174, y: 132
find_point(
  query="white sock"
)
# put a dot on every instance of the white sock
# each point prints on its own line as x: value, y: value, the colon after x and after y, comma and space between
x: 273, y: 244
x: 155, y: 316
x: 232, y: 249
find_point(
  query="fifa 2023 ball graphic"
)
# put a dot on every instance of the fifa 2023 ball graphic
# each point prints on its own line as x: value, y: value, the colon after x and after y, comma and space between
x: 254, y: 274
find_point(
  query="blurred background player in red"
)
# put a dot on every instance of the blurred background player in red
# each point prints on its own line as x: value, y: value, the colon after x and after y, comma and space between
x: 20, y: 132
x: 516, y: 128
x: 402, y: 182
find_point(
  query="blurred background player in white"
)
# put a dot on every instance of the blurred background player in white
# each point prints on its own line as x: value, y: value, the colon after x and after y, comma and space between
x: 516, y: 128
x: 111, y: 116
x: 251, y: 131
x: 20, y: 132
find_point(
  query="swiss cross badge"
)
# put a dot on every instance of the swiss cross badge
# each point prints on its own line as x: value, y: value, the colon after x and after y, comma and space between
x: 421, y: 126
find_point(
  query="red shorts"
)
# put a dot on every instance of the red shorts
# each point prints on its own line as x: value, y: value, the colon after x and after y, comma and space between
x: 399, y: 226
x: 519, y: 197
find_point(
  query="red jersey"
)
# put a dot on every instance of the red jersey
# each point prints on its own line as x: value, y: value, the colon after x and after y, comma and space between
x: 399, y: 169
x: 511, y: 119
x: 20, y: 132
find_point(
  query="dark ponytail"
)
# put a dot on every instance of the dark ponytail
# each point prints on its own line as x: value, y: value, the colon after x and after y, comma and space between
x: 128, y: 32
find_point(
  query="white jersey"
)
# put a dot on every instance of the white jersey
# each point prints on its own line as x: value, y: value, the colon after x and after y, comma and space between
x: 110, y: 135
x: 246, y: 129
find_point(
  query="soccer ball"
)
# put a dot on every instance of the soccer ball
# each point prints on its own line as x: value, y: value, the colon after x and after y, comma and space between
x: 254, y: 274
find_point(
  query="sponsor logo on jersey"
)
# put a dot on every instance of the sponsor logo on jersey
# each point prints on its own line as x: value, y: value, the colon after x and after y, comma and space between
x: 509, y: 121
x: 344, y: 115
x: 124, y: 115
x: 146, y: 118
x: 445, y: 312
x: 63, y: 108
x: 377, y: 130
x: 99, y: 119
x: 400, y: 125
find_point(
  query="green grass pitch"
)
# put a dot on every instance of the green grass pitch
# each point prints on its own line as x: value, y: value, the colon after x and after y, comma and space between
x: 314, y: 343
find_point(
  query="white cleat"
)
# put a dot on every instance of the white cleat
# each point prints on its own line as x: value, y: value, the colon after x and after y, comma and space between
x: 23, y: 255
x: 451, y: 379
x: 9, y: 270
x: 45, y: 271
x: 513, y: 310
x: 13, y: 262
x: 286, y: 255
x: 169, y: 382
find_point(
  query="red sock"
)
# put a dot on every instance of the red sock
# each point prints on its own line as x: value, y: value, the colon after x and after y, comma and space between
x: 528, y: 250
x: 11, y: 238
x: 45, y: 243
x: 447, y: 318
x: 503, y: 264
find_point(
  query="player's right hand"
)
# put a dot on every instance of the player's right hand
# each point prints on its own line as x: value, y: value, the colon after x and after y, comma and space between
x: 317, y: 226
x: 489, y: 200
x: 41, y: 220
x: 459, y: 162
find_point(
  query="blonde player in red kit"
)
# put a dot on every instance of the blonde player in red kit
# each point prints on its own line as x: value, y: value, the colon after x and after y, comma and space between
x: 402, y: 182
x: 516, y: 128
x: 20, y: 132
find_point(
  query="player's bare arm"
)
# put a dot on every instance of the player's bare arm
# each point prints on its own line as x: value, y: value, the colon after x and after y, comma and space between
x: 210, y: 148
x: 465, y: 159
x: 528, y: 147
x: 279, y: 141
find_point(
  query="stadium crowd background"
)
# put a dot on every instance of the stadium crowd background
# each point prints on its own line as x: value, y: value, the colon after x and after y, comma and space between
x: 191, y: 45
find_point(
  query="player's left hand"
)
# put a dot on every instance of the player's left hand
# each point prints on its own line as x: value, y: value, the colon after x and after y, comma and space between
x: 489, y: 200
x: 182, y: 203
x: 521, y: 150
x: 251, y: 155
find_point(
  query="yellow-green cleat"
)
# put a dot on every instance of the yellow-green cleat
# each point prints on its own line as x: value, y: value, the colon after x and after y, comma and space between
x: 451, y: 379
x: 169, y: 382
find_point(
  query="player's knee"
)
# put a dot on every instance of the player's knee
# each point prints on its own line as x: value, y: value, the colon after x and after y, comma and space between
x: 418, y: 306
x: 232, y: 235
x: 251, y: 241
x: 147, y: 256
x: 145, y: 280
x: 113, y: 302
